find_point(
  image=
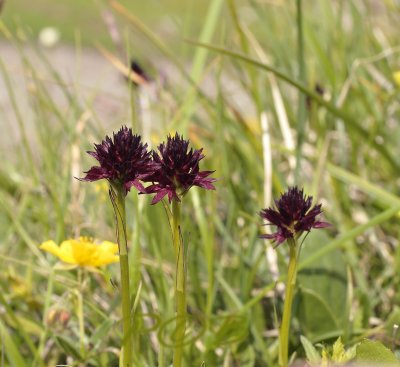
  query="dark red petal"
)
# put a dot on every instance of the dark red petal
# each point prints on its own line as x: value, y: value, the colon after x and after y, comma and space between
x: 269, y: 236
x: 277, y: 237
x: 273, y: 217
x: 95, y: 173
x: 159, y: 196
x: 136, y: 184
x: 93, y: 154
x: 172, y: 195
x: 205, y: 183
x: 321, y: 225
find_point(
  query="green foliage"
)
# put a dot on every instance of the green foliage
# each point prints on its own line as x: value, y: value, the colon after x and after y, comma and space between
x: 370, y: 351
x: 214, y: 95
x: 323, y: 286
x: 312, y: 355
x: 335, y: 354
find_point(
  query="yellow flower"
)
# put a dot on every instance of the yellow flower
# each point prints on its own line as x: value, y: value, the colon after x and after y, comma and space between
x: 396, y: 77
x: 83, y: 252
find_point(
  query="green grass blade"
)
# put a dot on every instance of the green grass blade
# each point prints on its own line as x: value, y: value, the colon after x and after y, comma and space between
x: 365, y: 185
x: 301, y: 111
x: 351, y: 122
x: 11, y: 349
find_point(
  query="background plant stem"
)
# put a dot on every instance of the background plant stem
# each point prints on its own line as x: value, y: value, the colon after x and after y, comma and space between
x: 287, y: 308
x: 301, y: 112
x: 119, y: 208
x: 180, y: 284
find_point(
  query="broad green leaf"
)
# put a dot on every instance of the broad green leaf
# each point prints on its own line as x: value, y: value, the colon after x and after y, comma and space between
x: 369, y: 351
x: 392, y: 320
x: 314, y: 314
x: 327, y: 277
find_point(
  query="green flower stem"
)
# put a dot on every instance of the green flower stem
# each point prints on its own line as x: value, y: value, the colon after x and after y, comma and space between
x: 81, y: 320
x: 136, y: 263
x: 118, y: 200
x: 287, y: 308
x: 180, y: 284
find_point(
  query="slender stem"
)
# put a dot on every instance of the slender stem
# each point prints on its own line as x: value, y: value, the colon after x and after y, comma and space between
x: 136, y: 261
x: 81, y: 320
x: 287, y: 307
x: 118, y: 200
x: 180, y: 284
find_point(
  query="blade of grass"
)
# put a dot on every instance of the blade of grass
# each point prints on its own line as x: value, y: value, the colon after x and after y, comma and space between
x: 139, y: 25
x: 21, y: 231
x: 20, y: 328
x: 10, y: 349
x: 351, y: 122
x: 301, y: 112
x: 245, y: 48
x: 155, y: 40
x: 21, y: 124
x: 365, y: 185
x: 188, y: 104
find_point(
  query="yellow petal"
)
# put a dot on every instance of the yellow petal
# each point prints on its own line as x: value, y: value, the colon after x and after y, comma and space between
x: 105, y: 254
x: 108, y: 246
x: 50, y: 246
x: 65, y: 253
x: 82, y: 251
x: 396, y: 77
x: 62, y: 252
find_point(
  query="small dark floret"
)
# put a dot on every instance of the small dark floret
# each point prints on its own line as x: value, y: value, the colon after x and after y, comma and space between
x: 293, y: 216
x: 124, y: 160
x: 178, y: 170
x: 139, y: 76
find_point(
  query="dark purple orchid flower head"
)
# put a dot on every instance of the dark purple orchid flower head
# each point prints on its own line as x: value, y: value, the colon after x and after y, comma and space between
x: 124, y: 161
x: 293, y: 216
x: 178, y: 170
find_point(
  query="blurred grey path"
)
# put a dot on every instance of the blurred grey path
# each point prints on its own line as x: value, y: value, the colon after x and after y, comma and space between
x: 85, y: 73
x: 97, y: 86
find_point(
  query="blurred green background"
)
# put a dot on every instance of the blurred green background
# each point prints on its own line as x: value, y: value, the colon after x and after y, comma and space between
x: 349, y: 282
x: 83, y: 20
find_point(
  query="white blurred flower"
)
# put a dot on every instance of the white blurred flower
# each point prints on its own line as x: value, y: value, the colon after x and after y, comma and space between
x: 49, y: 36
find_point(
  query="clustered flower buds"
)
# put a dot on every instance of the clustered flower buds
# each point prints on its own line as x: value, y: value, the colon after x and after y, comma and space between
x: 178, y: 170
x: 293, y: 216
x: 126, y: 162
